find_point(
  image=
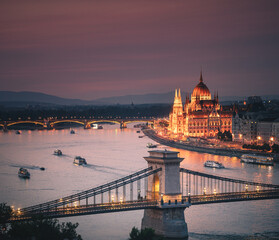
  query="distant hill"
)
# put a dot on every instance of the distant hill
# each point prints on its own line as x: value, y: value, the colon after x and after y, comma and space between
x: 8, y: 98
x: 37, y: 98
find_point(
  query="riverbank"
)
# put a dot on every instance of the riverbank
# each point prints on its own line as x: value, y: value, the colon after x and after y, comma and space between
x: 203, y: 149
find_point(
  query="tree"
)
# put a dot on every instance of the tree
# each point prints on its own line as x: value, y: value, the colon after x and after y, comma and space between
x: 44, y: 229
x: 39, y: 229
x: 5, y: 214
x: 143, y: 234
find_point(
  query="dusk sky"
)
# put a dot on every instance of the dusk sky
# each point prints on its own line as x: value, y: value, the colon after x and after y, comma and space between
x: 91, y: 49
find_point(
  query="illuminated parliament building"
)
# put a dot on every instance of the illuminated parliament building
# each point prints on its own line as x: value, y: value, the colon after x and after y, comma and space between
x: 201, y: 115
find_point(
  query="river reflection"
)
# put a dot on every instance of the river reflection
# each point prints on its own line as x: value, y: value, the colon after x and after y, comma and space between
x: 112, y: 153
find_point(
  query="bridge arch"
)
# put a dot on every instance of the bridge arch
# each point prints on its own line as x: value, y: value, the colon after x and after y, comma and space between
x: 156, y: 186
x: 23, y: 122
x: 103, y: 121
x: 143, y: 121
x: 67, y: 121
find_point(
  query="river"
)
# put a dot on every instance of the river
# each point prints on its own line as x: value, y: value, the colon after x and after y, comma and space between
x: 112, y: 153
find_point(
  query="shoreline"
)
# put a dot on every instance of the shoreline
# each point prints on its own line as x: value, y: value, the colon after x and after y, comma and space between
x: 215, y: 151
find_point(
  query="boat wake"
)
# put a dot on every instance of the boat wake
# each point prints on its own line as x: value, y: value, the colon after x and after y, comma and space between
x: 106, y: 169
x: 27, y: 167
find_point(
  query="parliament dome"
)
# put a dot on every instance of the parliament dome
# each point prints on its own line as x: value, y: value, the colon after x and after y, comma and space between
x: 201, y: 90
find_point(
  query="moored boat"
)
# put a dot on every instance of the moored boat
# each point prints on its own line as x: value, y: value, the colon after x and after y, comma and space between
x: 18, y: 132
x: 72, y: 131
x: 79, y: 160
x: 150, y: 145
x: 257, y: 159
x: 23, y: 173
x: 213, y: 164
x: 57, y: 152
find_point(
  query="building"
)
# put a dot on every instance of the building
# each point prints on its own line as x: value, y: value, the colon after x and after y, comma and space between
x: 244, y: 127
x: 255, y: 128
x: 201, y: 116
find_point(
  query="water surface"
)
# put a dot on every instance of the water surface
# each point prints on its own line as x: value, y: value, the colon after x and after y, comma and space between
x: 112, y: 153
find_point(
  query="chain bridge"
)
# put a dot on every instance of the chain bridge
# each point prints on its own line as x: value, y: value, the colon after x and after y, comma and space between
x: 163, y: 189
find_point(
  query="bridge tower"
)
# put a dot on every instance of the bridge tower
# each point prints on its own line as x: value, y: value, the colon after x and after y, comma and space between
x: 168, y: 220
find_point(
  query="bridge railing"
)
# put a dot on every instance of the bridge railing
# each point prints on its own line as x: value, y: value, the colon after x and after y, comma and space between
x: 198, y: 183
x: 232, y: 197
x: 75, y: 199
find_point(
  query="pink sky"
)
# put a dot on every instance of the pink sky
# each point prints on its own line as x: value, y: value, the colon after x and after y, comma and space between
x: 91, y: 49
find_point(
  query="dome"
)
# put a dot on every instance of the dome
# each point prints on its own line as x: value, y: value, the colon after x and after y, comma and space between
x: 201, y: 90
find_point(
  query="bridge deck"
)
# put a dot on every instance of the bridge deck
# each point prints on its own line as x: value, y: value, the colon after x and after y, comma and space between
x: 145, y: 204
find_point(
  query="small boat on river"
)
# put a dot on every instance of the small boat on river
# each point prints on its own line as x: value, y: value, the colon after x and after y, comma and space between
x: 151, y: 145
x: 18, y: 132
x: 213, y: 164
x: 79, y: 161
x: 23, y: 173
x: 57, y: 152
x: 72, y: 131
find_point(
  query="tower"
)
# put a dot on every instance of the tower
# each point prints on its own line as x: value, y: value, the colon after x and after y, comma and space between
x: 176, y: 116
x: 168, y: 218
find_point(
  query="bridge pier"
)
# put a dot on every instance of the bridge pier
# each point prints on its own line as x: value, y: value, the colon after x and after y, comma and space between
x: 169, y: 222
x: 123, y: 125
x: 168, y: 218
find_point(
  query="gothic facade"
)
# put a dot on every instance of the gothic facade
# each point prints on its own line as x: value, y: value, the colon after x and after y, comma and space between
x: 201, y: 116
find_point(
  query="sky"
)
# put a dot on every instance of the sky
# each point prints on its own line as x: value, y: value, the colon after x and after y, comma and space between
x: 92, y: 49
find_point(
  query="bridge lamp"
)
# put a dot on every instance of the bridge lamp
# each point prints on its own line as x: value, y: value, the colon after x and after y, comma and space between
x: 18, y: 211
x: 204, y: 191
x: 75, y: 204
x: 258, y: 188
x: 214, y: 192
x: 259, y: 138
x: 246, y: 188
x: 112, y: 198
x: 121, y: 199
x: 189, y: 194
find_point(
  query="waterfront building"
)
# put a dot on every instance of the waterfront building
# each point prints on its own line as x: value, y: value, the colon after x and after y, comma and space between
x: 244, y: 127
x: 201, y: 115
x: 255, y: 127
